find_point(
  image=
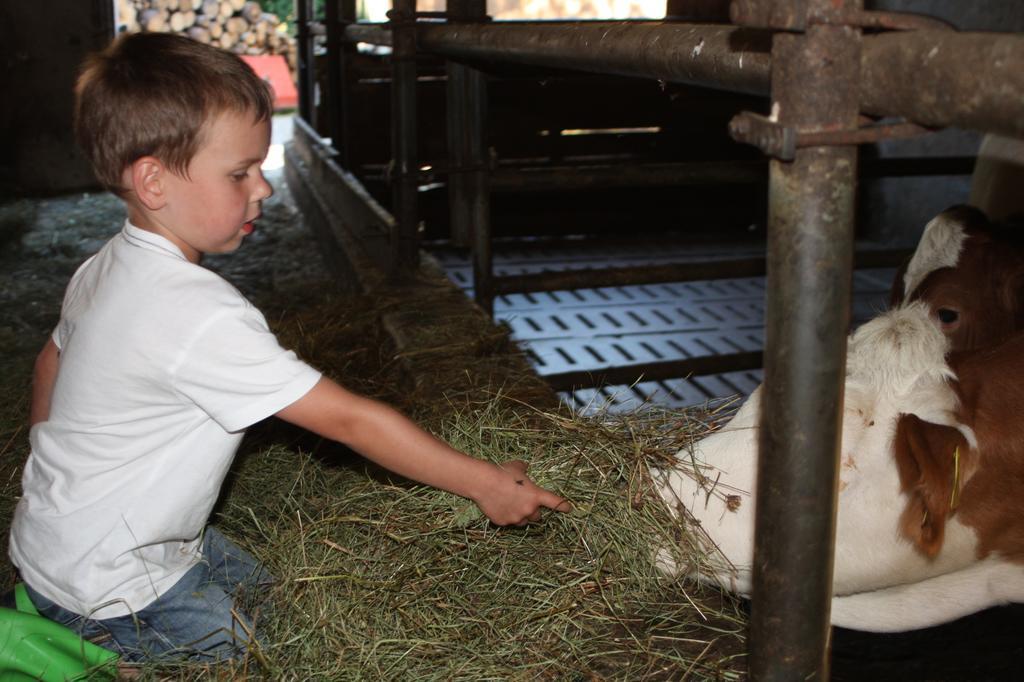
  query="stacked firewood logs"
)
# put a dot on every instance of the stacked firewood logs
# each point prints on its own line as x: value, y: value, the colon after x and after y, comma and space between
x: 237, y: 25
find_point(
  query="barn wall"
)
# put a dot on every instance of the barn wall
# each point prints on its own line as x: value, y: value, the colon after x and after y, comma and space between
x: 896, y: 209
x: 42, y: 45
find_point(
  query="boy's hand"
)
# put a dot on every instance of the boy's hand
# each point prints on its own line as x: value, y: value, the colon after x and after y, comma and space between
x: 513, y: 499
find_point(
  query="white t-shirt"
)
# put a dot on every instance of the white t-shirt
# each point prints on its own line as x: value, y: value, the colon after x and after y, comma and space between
x: 163, y: 365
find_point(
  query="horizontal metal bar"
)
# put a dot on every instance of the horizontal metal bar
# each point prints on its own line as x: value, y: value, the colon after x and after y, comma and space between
x: 656, y: 371
x: 672, y: 272
x: 372, y: 34
x: 943, y: 78
x: 933, y: 78
x: 613, y: 277
x: 714, y: 56
x: 560, y: 178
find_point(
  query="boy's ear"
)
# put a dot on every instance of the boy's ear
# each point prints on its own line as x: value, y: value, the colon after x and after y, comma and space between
x: 933, y: 461
x: 145, y: 178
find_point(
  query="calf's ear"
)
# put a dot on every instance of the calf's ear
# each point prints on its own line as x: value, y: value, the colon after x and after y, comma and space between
x: 1010, y: 294
x: 931, y: 460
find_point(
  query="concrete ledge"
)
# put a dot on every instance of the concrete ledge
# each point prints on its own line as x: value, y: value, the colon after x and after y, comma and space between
x: 445, y: 343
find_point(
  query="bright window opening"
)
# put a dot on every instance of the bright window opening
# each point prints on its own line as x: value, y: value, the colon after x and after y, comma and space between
x: 376, y: 10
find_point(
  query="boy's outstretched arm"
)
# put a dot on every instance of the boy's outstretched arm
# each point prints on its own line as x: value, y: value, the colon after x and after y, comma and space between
x: 383, y: 435
x: 44, y: 374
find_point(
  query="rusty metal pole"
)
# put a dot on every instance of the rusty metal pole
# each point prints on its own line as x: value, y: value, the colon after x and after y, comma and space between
x: 478, y: 175
x: 306, y: 66
x: 455, y: 94
x: 337, y: 15
x: 405, y: 168
x: 469, y: 188
x: 815, y: 76
x: 333, y: 94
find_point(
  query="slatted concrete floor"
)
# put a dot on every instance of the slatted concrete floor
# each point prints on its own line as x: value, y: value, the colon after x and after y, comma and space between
x: 590, y: 329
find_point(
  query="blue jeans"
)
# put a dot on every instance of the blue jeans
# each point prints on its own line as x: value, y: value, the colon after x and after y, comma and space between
x: 197, y: 619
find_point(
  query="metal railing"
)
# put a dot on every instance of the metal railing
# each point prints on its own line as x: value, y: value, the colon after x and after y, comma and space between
x: 822, y: 74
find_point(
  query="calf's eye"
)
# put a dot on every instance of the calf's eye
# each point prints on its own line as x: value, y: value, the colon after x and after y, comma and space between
x: 948, y: 316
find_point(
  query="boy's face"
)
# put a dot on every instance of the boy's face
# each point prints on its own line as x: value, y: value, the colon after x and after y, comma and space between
x: 213, y: 209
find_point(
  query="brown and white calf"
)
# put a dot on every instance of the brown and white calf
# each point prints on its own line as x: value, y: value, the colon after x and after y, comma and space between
x: 949, y: 481
x: 924, y: 535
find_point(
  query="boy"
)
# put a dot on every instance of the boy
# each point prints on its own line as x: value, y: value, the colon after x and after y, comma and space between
x: 157, y: 366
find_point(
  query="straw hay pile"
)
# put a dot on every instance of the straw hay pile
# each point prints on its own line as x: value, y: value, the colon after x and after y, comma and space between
x: 382, y: 579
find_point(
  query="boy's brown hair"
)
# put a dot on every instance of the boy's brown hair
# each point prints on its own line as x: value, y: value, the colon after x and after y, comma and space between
x: 151, y: 94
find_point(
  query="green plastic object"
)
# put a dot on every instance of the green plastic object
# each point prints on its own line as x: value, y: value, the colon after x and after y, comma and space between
x: 35, y: 648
